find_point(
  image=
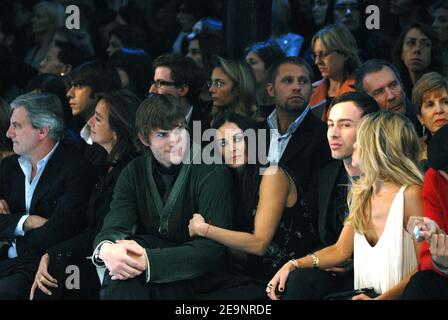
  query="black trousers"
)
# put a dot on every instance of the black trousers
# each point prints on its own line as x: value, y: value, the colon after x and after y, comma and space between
x: 315, y: 284
x: 64, y: 269
x: 426, y: 285
x: 138, y: 289
x: 16, y: 277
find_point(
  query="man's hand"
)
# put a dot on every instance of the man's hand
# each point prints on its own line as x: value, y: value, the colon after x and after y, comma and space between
x: 4, y: 207
x: 124, y: 259
x: 33, y: 222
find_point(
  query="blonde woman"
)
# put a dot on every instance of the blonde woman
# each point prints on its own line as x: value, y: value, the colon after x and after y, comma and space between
x: 335, y: 53
x: 380, y: 202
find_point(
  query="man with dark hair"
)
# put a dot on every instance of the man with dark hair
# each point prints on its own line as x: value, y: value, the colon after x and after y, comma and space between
x: 297, y: 137
x: 381, y: 80
x: 43, y: 191
x: 179, y: 76
x: 344, y: 115
x: 88, y: 81
x: 144, y: 242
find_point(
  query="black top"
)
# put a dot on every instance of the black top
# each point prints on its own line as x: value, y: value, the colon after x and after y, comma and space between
x: 295, y: 237
x: 80, y: 246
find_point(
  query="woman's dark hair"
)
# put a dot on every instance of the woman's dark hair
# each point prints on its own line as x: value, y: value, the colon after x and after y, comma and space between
x: 269, y: 51
x: 248, y: 183
x: 210, y: 45
x: 138, y: 66
x: 122, y: 106
x: 72, y: 54
x: 130, y: 36
x: 436, y: 54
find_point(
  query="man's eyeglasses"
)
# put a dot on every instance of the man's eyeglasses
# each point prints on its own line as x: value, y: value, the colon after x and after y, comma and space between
x: 321, y: 55
x: 160, y: 83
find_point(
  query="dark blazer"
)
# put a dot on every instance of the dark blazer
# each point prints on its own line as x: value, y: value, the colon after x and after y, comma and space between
x: 60, y: 196
x: 328, y: 178
x: 80, y: 246
x: 306, y: 153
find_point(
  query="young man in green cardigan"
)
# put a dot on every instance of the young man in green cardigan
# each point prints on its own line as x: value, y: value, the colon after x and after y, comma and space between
x: 144, y: 243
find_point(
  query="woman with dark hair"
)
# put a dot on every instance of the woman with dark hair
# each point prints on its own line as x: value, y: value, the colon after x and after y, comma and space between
x: 112, y: 127
x: 415, y: 53
x: 202, y: 47
x: 439, y: 12
x: 271, y: 223
x: 134, y: 66
x: 260, y: 56
x: 129, y: 36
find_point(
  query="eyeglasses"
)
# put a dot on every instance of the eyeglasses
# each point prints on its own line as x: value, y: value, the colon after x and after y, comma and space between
x: 160, y: 83
x: 321, y: 55
x: 215, y: 83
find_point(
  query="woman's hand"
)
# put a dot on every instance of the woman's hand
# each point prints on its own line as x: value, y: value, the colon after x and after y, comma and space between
x: 278, y: 282
x: 439, y: 249
x: 43, y: 279
x: 197, y: 226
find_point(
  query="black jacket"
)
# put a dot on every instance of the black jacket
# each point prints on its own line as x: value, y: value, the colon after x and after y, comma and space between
x: 328, y: 227
x: 60, y: 196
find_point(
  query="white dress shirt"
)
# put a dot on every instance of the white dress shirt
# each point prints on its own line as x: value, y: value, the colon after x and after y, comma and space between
x: 30, y: 187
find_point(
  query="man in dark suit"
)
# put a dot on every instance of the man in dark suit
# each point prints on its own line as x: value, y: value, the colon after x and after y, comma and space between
x: 381, y: 80
x: 344, y: 117
x: 43, y: 190
x: 297, y: 137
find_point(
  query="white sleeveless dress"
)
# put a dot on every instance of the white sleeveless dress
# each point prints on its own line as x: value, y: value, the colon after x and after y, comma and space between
x: 392, y: 258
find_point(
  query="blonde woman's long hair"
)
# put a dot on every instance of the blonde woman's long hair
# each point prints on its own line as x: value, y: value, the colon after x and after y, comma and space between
x: 387, y: 149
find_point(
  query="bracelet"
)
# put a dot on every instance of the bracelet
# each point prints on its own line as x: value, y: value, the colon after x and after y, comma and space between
x: 315, y: 260
x: 208, y: 227
x: 294, y: 263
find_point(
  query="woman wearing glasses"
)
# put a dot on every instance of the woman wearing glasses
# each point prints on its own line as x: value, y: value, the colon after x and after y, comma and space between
x: 271, y: 223
x: 335, y: 54
x: 232, y: 87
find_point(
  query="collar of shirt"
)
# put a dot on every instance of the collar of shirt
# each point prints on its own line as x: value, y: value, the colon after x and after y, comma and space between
x: 273, y: 122
x: 25, y: 164
x: 189, y: 113
x: 85, y: 134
